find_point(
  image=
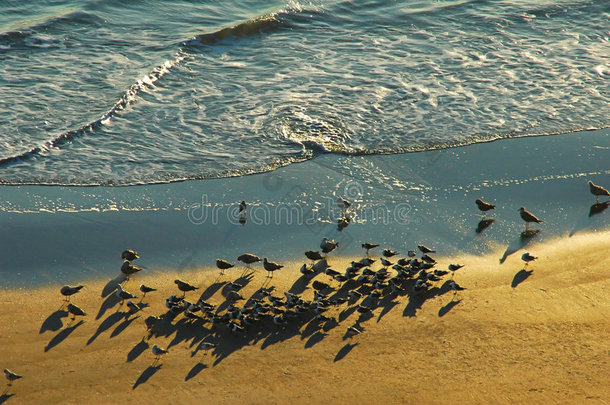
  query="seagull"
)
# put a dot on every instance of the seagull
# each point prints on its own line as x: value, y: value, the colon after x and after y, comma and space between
x: 129, y: 255
x: 455, y: 287
x: 307, y: 270
x: 528, y: 217
x: 146, y: 289
x: 123, y: 295
x: 223, y: 265
x: 10, y: 376
x: 368, y: 246
x: 484, y: 206
x: 425, y: 249
x: 68, y: 290
x: 319, y: 285
x: 386, y: 263
x: 133, y: 307
x: 313, y: 255
x: 343, y: 222
x: 128, y: 269
x: 158, y: 352
x: 184, y: 286
x: 248, y: 259
x: 389, y: 252
x: 271, y: 267
x: 343, y: 203
x: 526, y: 257
x: 411, y: 253
x: 74, y: 310
x: 328, y: 245
x: 597, y: 191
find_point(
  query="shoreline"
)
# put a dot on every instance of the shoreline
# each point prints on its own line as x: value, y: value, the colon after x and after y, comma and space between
x: 539, y: 335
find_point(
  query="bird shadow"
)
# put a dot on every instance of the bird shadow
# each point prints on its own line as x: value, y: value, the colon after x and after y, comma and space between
x: 137, y: 350
x: 211, y: 290
x: 524, y: 239
x: 146, y: 374
x: 195, y: 370
x: 106, y: 324
x: 122, y: 326
x: 315, y: 338
x: 484, y: 224
x: 520, y: 277
x: 587, y: 221
x: 108, y: 303
x: 300, y: 285
x: 111, y: 286
x: 61, y: 336
x: 446, y: 308
x: 344, y: 351
x: 53, y: 321
x: 5, y: 397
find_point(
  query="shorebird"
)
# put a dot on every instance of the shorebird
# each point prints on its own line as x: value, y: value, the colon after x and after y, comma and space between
x: 146, y: 289
x: 328, y: 245
x: 313, y: 255
x: 389, y: 252
x: 528, y: 217
x: 411, y: 253
x: 343, y: 203
x: 223, y: 265
x: 343, y: 222
x: 133, y: 307
x: 319, y: 285
x: 385, y: 262
x: 526, y: 257
x: 248, y: 259
x: 151, y: 321
x: 158, y: 352
x: 74, y: 310
x: 123, y: 295
x: 428, y: 259
x: 352, y: 331
x: 307, y: 270
x: 455, y: 267
x: 10, y: 376
x: 184, y: 286
x: 128, y: 269
x: 68, y: 291
x: 129, y: 255
x: 242, y: 206
x: 271, y: 267
x: 484, y: 206
x: 368, y: 246
x: 425, y: 249
x: 455, y: 287
x: 597, y: 191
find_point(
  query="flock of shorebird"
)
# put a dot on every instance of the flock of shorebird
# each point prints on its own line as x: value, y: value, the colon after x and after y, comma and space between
x: 360, y: 286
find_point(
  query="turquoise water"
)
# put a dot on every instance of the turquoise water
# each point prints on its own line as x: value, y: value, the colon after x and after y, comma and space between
x: 140, y: 92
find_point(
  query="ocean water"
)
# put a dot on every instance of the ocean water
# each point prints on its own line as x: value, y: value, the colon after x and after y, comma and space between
x: 139, y: 92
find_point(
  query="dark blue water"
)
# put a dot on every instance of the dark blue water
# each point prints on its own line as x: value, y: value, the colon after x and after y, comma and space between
x: 132, y: 92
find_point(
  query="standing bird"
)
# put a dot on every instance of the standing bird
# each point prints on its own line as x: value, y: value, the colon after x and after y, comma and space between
x: 455, y: 287
x: 313, y: 255
x: 68, y: 291
x: 223, y: 265
x: 484, y: 206
x: 158, y: 352
x: 343, y: 203
x: 184, y: 286
x: 10, y: 376
x: 425, y: 249
x: 74, y: 310
x: 248, y: 259
x: 328, y: 245
x: 597, y: 191
x: 129, y: 255
x: 528, y: 217
x: 271, y: 267
x: 368, y: 246
x: 128, y: 269
x: 123, y: 295
x: 242, y: 207
x: 146, y: 289
x: 389, y: 252
x: 526, y: 257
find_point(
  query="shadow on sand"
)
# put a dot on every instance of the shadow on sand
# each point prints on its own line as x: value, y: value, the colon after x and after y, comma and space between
x: 344, y: 351
x: 106, y: 324
x: 520, y: 277
x: 61, y: 336
x: 484, y: 224
x: 53, y: 321
x: 137, y: 350
x: 5, y: 397
x: 443, y: 311
x: 195, y: 370
x: 524, y: 239
x: 146, y: 374
x: 111, y: 286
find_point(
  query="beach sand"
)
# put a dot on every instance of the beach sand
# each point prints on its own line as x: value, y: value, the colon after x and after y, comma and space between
x: 507, y: 338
